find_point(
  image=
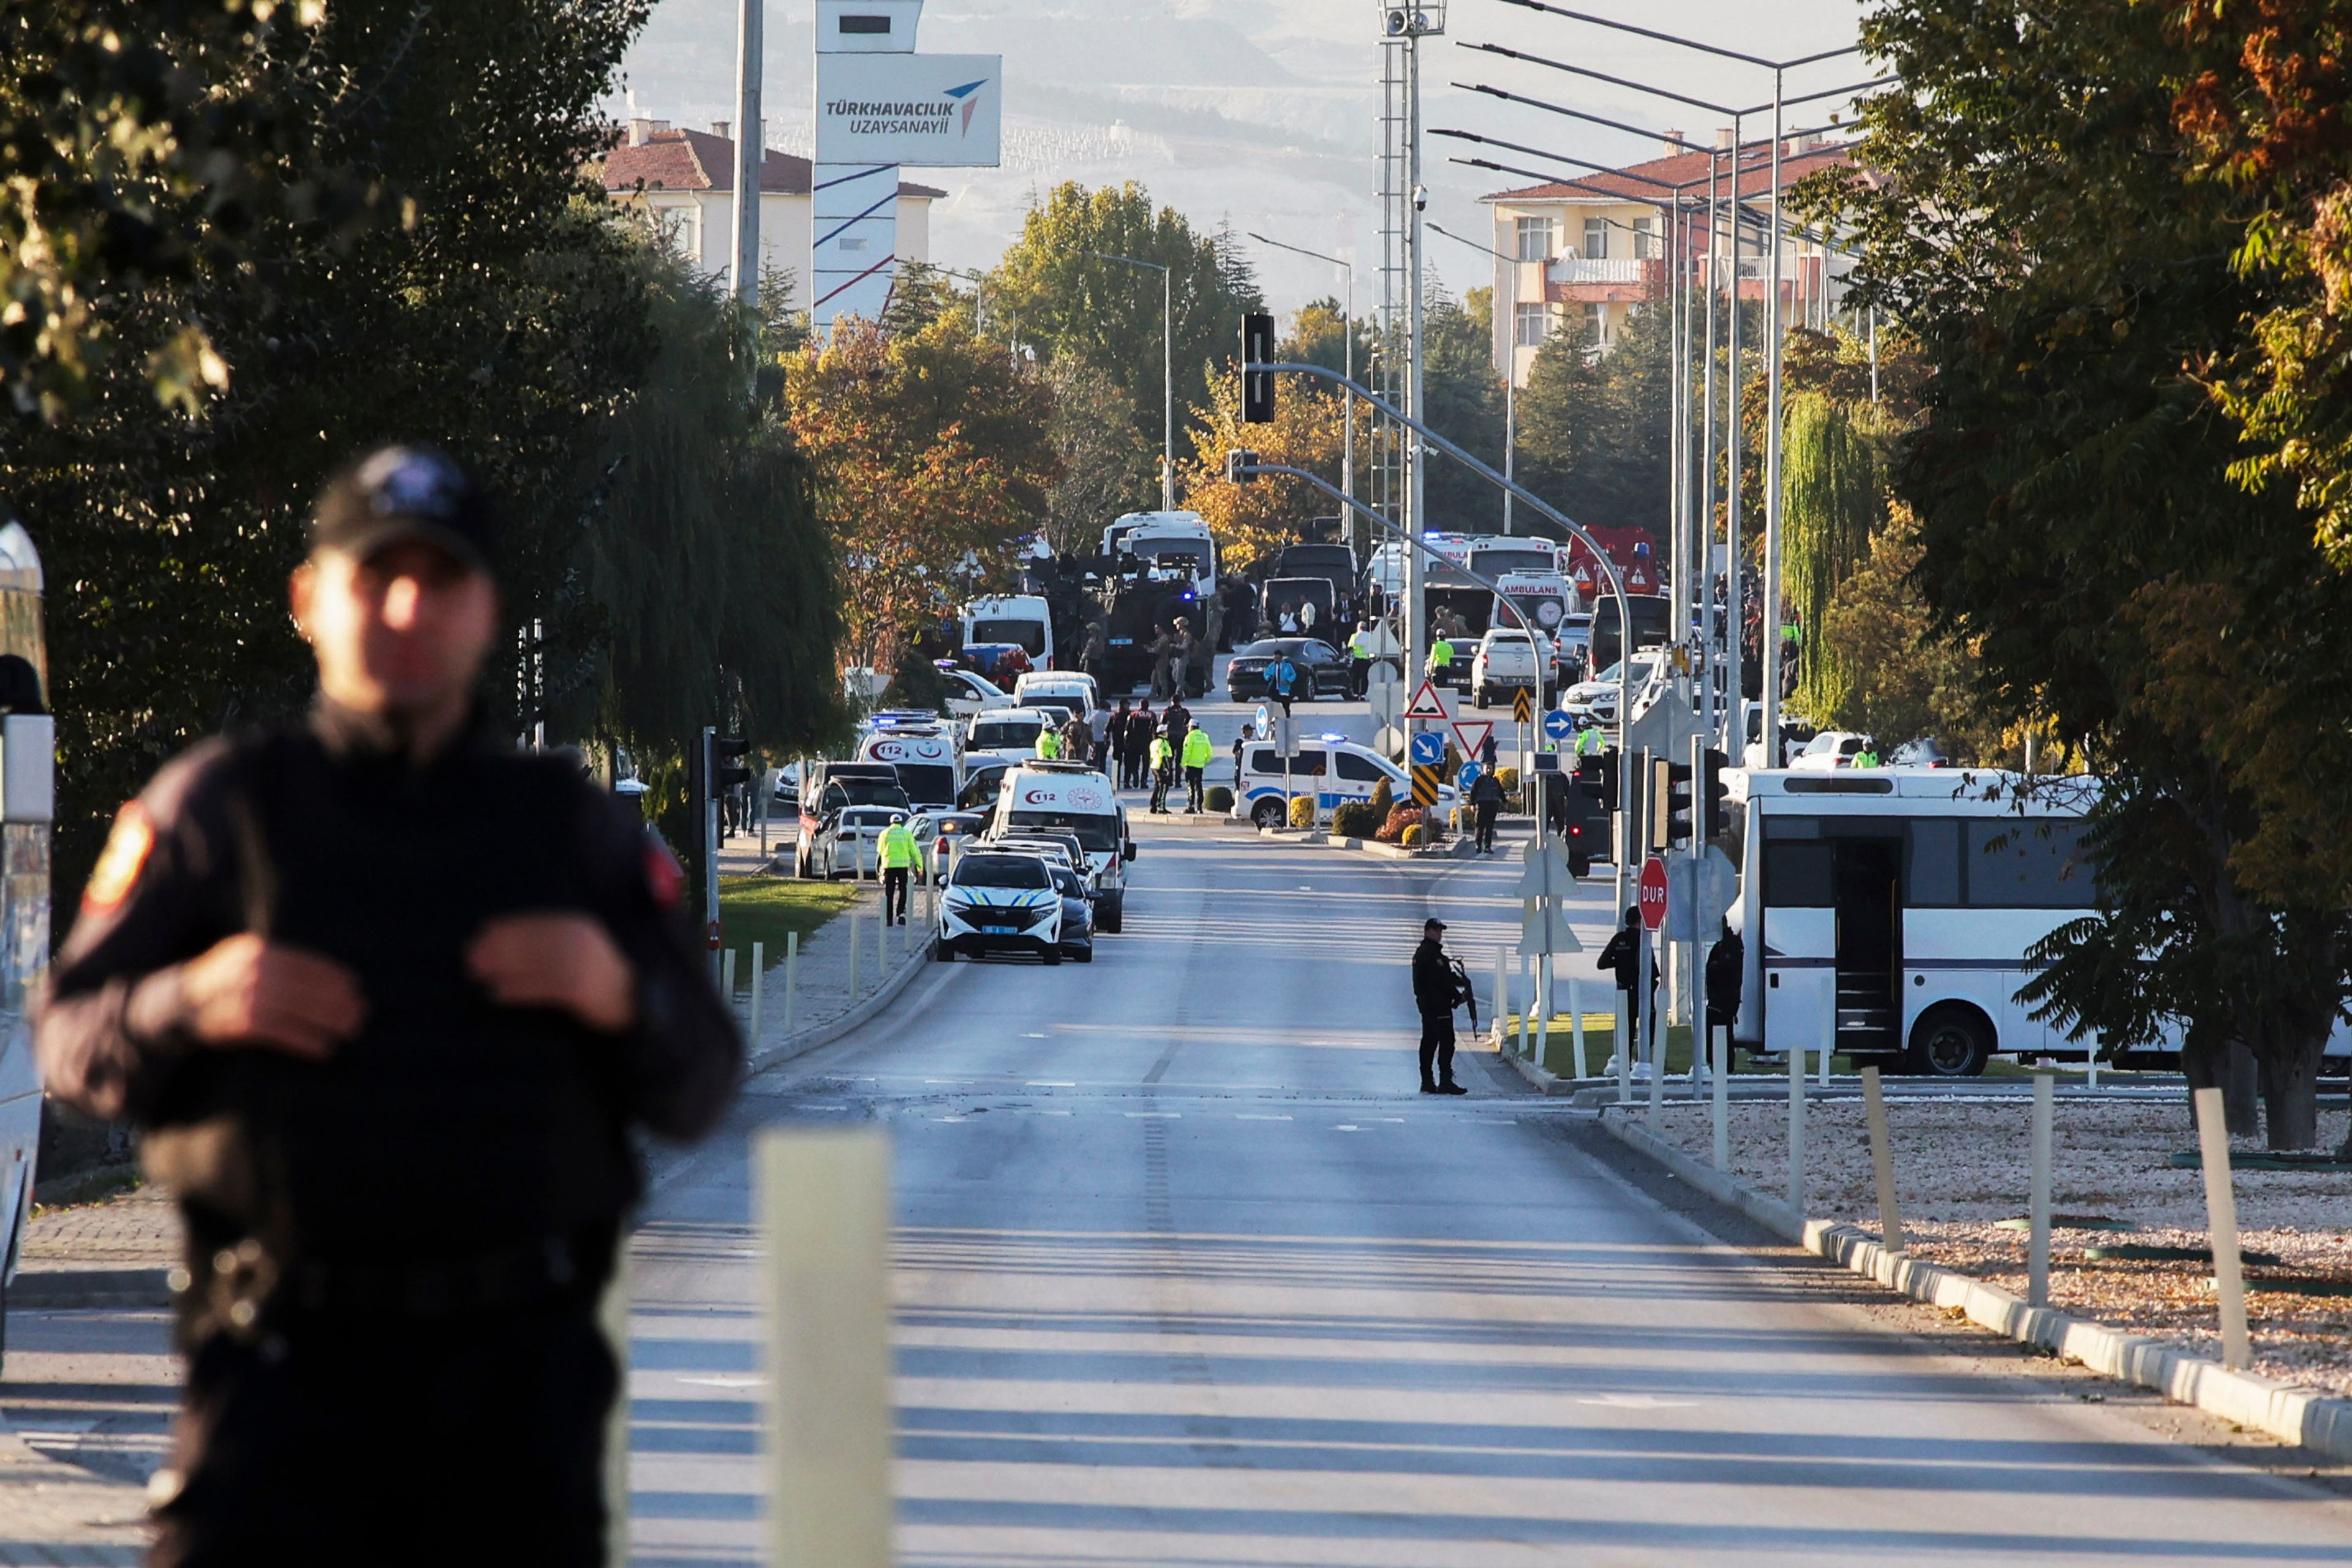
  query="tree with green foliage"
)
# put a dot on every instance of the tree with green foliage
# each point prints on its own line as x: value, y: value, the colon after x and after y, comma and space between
x: 501, y: 311
x: 1593, y: 427
x: 1056, y: 290
x: 931, y: 450
x: 2037, y: 222
x: 1832, y: 500
x: 1465, y: 404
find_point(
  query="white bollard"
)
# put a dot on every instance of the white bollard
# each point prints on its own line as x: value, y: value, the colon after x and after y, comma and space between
x: 2092, y: 1056
x: 1624, y: 1039
x: 1502, y: 1008
x: 823, y: 1203
x: 1526, y: 1007
x: 2037, y: 1200
x: 1796, y: 1129
x: 1722, y: 1098
x: 727, y: 976
x: 1882, y: 1161
x: 792, y: 976
x: 612, y: 1322
x: 759, y: 969
x: 1575, y: 1023
x: 1543, y: 1009
x: 853, y: 959
x: 2221, y: 1224
x: 1655, y: 1047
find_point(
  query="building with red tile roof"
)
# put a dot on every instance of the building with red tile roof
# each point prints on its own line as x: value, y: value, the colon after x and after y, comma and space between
x: 1590, y: 251
x: 687, y: 180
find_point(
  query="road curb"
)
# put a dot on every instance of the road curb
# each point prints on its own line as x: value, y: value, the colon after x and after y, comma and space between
x: 801, y: 1042
x: 58, y: 1289
x: 2318, y: 1422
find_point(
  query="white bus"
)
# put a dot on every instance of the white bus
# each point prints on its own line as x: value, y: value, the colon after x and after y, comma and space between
x: 27, y: 756
x: 1899, y: 904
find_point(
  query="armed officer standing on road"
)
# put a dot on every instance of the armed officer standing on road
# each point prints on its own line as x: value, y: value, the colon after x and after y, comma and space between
x: 388, y: 1001
x: 1438, y: 987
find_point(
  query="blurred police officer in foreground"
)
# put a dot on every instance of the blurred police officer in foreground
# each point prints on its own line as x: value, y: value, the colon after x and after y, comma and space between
x: 387, y: 1000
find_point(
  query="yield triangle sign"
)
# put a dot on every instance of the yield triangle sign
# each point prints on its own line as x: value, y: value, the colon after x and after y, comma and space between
x: 1427, y: 704
x: 1473, y: 733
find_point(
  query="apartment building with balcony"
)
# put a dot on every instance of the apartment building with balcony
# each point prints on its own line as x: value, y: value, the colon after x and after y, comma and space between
x: 1589, y: 253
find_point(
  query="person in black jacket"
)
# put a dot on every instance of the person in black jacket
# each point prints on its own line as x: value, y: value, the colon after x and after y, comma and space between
x: 1727, y: 968
x: 1437, y: 990
x: 1622, y: 956
x: 390, y: 1003
x: 1486, y: 803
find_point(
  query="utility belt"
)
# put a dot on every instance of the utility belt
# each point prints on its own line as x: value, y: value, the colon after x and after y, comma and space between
x: 235, y: 1289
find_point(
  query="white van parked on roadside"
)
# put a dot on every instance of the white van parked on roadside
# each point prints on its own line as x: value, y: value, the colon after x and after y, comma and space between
x: 1072, y: 798
x: 928, y: 757
x: 1061, y: 688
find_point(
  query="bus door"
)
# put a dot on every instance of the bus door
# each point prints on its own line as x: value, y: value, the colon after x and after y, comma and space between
x: 1833, y: 947
x: 1868, y: 914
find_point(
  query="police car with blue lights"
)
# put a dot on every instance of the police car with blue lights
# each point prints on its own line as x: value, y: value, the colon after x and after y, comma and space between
x: 1331, y: 768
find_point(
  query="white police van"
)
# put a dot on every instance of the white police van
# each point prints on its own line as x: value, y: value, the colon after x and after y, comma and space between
x: 1333, y: 768
x: 1074, y: 798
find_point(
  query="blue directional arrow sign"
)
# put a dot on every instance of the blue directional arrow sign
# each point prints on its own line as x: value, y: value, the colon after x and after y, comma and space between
x: 1428, y: 748
x: 1468, y: 775
x: 1558, y: 725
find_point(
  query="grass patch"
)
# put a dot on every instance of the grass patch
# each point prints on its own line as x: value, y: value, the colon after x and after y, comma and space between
x: 768, y: 909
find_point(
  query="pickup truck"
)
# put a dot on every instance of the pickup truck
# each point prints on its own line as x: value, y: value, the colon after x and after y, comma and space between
x: 1506, y: 662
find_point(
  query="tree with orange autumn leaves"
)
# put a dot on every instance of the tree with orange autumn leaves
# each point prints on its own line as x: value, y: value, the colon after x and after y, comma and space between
x: 933, y: 459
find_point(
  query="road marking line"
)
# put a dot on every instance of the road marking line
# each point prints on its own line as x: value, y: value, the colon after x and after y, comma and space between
x: 1052, y: 1083
x: 1349, y: 1127
x: 1253, y: 1116
x: 1155, y: 1116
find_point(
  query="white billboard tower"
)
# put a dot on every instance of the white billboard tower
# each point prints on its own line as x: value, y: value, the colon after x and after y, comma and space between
x: 881, y: 107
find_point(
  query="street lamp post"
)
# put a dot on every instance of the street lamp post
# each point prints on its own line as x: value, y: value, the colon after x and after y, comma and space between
x: 1167, y: 371
x: 1347, y: 354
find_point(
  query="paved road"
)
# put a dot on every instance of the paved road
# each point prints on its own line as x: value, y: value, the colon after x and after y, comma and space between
x: 1189, y: 1276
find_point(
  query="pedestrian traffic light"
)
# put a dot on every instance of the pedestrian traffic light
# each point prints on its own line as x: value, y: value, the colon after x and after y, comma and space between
x: 1679, y: 801
x: 1257, y: 386
x: 1713, y: 793
x: 1241, y: 467
x: 729, y: 764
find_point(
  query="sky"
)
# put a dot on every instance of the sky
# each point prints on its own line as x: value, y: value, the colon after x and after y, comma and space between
x: 1265, y: 113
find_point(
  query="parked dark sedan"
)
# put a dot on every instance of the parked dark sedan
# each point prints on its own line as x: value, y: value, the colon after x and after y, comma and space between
x: 1321, y: 668
x: 1077, y: 915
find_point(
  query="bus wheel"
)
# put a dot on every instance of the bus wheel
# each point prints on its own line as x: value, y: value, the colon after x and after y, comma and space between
x: 1950, y: 1042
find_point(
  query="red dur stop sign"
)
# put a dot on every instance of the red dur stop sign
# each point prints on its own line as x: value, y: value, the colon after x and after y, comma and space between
x: 1653, y: 893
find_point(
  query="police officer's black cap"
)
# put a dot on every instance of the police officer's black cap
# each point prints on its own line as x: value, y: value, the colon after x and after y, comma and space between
x: 397, y: 493
x: 1433, y: 924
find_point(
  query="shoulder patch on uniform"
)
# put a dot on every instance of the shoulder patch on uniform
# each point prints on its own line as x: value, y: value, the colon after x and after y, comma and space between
x: 665, y: 878
x: 120, y: 863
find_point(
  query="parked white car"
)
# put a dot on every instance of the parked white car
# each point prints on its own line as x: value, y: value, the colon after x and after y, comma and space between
x: 1597, y: 698
x: 969, y: 694
x: 1828, y: 751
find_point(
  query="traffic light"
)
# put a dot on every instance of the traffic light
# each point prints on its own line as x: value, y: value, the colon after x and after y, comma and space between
x: 1240, y: 467
x: 1713, y: 793
x: 1674, y: 780
x: 730, y: 764
x: 1599, y: 774
x: 1257, y: 386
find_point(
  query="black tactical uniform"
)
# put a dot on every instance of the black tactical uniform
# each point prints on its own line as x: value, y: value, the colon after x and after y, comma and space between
x: 1436, y: 991
x: 395, y: 1253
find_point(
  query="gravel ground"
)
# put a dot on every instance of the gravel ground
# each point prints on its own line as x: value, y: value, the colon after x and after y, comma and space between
x: 1961, y: 1167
